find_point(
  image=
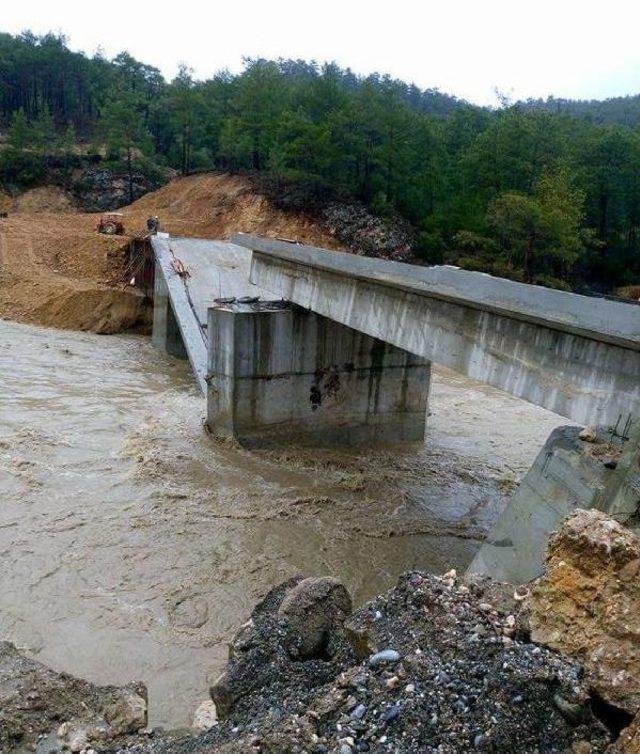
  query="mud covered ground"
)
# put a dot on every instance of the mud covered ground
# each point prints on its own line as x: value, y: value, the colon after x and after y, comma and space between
x: 133, y: 545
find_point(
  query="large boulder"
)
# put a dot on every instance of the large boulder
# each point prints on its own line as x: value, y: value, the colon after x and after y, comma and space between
x: 587, y: 604
x: 289, y: 640
x: 314, y: 608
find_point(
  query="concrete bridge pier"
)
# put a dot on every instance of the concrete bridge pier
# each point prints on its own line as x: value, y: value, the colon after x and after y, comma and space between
x: 166, y: 333
x: 281, y: 375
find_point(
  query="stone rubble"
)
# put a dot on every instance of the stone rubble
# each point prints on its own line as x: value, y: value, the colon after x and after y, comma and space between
x: 436, y: 666
x: 39, y: 707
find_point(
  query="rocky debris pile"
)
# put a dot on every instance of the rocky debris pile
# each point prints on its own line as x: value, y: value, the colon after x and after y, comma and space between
x: 50, y: 711
x: 100, y: 189
x: 587, y: 604
x: 364, y: 233
x: 434, y: 665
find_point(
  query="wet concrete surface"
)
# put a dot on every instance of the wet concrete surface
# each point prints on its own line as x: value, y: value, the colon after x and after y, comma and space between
x: 133, y: 544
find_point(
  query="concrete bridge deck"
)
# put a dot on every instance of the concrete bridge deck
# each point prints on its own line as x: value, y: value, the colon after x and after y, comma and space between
x: 575, y: 355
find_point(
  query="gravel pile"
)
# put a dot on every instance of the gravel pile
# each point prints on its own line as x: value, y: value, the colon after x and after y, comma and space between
x: 434, y: 665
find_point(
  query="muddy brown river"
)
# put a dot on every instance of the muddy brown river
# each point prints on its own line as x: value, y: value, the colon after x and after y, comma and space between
x: 132, y: 544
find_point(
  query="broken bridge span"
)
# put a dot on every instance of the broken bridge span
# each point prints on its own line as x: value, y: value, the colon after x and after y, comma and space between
x: 295, y: 341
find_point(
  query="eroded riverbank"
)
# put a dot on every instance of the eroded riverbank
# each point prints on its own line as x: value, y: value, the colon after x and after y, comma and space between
x: 133, y: 545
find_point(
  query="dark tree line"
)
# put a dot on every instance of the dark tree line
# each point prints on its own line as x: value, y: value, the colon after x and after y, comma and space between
x: 545, y: 192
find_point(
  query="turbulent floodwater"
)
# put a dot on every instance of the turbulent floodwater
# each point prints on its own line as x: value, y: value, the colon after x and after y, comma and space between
x: 132, y: 545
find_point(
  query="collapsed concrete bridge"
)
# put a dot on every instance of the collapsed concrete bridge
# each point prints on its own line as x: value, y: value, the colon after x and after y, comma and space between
x: 575, y: 355
x: 295, y: 342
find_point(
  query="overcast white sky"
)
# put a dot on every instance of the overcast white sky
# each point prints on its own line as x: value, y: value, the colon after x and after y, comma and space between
x: 525, y: 48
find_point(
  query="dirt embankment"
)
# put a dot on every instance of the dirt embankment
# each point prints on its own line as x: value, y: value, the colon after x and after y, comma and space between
x: 56, y: 270
x: 219, y: 205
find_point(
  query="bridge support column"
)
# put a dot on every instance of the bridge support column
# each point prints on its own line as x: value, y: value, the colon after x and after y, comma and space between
x: 280, y: 375
x: 165, y: 333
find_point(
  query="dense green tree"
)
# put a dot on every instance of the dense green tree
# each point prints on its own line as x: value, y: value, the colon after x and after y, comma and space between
x: 540, y: 233
x: 20, y: 134
x: 185, y: 101
x: 124, y: 129
x: 546, y: 191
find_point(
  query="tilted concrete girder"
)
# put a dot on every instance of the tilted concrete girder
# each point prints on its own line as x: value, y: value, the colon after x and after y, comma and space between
x: 575, y: 355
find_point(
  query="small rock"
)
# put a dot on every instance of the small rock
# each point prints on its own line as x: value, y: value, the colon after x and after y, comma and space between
x: 391, y: 714
x: 393, y: 682
x: 573, y: 713
x: 50, y: 744
x: 127, y: 714
x: 205, y: 716
x: 588, y: 434
x: 520, y: 593
x: 451, y: 575
x: 387, y: 655
x: 78, y: 741
x: 358, y: 712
